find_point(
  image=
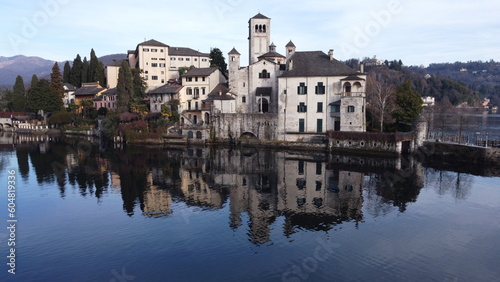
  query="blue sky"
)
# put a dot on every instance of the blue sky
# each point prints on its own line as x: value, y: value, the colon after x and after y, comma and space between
x: 417, y: 32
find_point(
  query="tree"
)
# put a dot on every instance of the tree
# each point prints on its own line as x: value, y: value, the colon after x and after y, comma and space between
x: 183, y: 70
x: 99, y: 75
x: 61, y: 118
x: 125, y: 87
x: 18, y: 95
x: 56, y: 81
x: 43, y: 98
x: 85, y: 71
x: 217, y: 59
x: 441, y: 115
x: 33, y: 83
x: 380, y: 97
x: 140, y: 85
x: 66, y: 72
x: 75, y: 76
x: 409, y: 103
x: 93, y: 65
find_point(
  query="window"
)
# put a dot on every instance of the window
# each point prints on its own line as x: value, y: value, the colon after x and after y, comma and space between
x: 320, y: 107
x: 300, y: 167
x: 154, y: 59
x: 181, y: 59
x: 320, y: 88
x: 203, y: 91
x: 154, y: 50
x: 301, y: 183
x: 189, y: 79
x: 145, y: 49
x: 196, y: 60
x: 301, y: 125
x: 162, y: 65
x: 154, y: 65
x: 189, y: 91
x: 197, y: 92
x: 244, y: 99
x: 302, y: 108
x: 189, y: 108
x: 161, y: 50
x: 350, y: 109
x: 204, y: 60
x: 188, y: 59
x: 302, y: 89
x: 196, y: 79
x: 172, y: 59
x: 318, y: 185
x: 335, y: 109
x: 264, y: 74
x: 203, y: 79
x: 154, y: 77
x: 319, y: 125
x: 162, y: 59
x: 319, y: 165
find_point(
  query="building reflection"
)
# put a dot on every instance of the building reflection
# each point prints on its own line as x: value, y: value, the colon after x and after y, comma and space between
x: 305, y: 191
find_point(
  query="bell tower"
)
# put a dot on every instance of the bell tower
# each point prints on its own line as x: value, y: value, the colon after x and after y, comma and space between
x: 259, y: 36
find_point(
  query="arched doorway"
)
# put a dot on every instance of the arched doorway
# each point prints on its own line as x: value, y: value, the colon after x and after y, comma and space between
x: 347, y: 87
x: 263, y: 105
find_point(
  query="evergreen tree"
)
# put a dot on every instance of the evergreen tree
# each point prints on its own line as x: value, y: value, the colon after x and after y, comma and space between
x: 75, y: 76
x: 56, y: 81
x: 409, y: 103
x: 66, y: 72
x: 34, y: 81
x: 93, y: 67
x: 18, y: 95
x: 217, y: 60
x: 125, y: 87
x: 140, y: 85
x: 99, y: 75
x: 85, y: 71
x: 43, y: 98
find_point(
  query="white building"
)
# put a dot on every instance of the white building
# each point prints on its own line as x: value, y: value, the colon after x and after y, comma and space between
x: 69, y: 94
x: 311, y: 92
x: 160, y: 62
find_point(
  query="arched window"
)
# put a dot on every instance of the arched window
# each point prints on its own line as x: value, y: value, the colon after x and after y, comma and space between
x: 198, y: 135
x: 190, y: 135
x: 347, y: 87
x: 264, y: 28
x: 260, y: 28
x: 263, y: 105
x: 256, y: 28
x: 264, y: 74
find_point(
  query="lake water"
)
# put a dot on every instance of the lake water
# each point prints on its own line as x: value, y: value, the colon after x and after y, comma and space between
x: 86, y: 213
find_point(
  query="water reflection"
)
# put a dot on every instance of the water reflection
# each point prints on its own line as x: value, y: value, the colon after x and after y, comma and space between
x: 308, y: 191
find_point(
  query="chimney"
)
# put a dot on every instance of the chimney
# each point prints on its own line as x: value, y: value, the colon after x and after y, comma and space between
x: 361, y: 67
x: 330, y: 53
x: 290, y: 65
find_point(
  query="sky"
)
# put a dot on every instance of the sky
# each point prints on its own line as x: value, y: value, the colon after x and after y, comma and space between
x: 418, y: 32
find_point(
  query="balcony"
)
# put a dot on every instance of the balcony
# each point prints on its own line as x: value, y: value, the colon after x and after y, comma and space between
x: 335, y: 114
x: 352, y: 94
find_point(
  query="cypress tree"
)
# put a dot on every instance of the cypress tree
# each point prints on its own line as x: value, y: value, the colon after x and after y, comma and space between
x: 56, y: 81
x: 125, y: 87
x: 19, y: 95
x: 75, y: 76
x: 43, y: 98
x: 66, y: 72
x: 85, y: 71
x: 93, y: 67
x: 99, y: 75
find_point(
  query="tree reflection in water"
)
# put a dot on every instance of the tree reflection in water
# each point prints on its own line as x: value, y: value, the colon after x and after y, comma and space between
x: 310, y: 191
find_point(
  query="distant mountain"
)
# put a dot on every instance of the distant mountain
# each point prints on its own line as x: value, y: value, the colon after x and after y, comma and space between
x: 11, y: 67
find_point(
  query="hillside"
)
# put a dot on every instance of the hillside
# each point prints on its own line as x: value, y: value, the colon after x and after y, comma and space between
x: 11, y: 67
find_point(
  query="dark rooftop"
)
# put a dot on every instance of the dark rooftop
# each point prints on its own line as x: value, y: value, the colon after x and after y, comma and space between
x: 290, y: 44
x: 153, y: 42
x: 183, y: 51
x: 272, y: 55
x: 69, y: 86
x: 219, y: 93
x: 199, y: 72
x: 166, y: 89
x: 260, y: 16
x: 353, y: 77
x: 88, y: 90
x: 263, y: 91
x: 112, y: 91
x: 234, y: 52
x: 316, y: 63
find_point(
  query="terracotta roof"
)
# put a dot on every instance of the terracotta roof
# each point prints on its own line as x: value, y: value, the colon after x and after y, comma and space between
x: 234, y: 52
x: 316, y: 63
x: 199, y: 72
x: 183, y: 51
x: 166, y: 89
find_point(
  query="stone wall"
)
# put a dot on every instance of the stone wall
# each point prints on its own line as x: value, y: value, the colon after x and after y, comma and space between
x: 234, y: 126
x: 462, y: 153
x: 392, y: 143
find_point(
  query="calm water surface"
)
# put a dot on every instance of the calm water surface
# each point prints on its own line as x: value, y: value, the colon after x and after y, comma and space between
x: 201, y: 214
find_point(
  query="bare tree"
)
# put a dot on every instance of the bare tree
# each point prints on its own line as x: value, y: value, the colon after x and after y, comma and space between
x: 442, y: 115
x: 381, y: 97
